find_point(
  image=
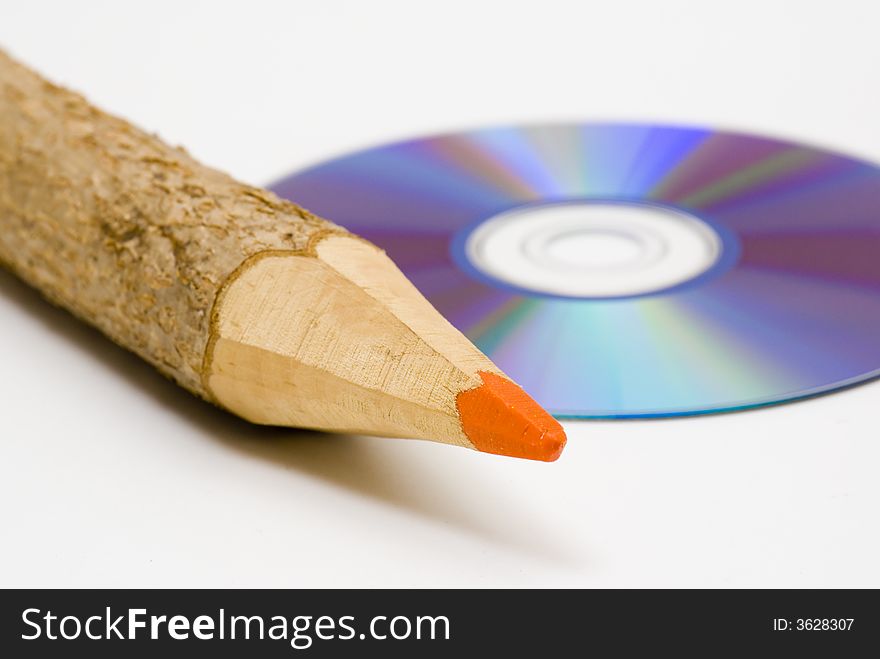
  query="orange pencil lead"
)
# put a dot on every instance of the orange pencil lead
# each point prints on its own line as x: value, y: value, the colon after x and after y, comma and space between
x: 499, y: 417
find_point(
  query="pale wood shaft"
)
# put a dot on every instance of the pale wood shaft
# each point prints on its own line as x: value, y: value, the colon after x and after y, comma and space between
x: 357, y: 349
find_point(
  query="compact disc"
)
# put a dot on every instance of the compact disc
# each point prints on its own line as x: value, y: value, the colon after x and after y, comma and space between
x: 619, y: 270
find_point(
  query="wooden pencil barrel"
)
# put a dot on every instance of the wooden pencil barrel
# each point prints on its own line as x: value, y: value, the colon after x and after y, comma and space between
x: 243, y: 298
x: 126, y: 232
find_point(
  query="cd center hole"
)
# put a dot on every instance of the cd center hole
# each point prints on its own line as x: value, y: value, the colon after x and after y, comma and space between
x: 594, y: 248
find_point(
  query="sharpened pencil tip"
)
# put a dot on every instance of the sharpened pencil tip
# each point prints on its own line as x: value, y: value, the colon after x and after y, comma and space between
x: 499, y: 417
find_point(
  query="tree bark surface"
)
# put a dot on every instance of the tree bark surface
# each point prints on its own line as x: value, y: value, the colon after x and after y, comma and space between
x: 130, y: 234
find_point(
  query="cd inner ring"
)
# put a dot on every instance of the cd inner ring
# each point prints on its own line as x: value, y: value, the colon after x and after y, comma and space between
x: 592, y: 249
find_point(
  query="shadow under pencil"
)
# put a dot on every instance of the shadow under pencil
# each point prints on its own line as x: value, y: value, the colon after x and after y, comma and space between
x: 366, y: 466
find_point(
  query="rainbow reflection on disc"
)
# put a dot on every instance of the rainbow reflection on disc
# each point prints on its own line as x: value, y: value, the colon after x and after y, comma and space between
x: 791, y: 308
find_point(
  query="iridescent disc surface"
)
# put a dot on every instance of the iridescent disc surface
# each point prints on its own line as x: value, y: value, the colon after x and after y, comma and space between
x: 795, y: 311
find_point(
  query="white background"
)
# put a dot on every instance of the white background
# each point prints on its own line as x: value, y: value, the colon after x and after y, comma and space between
x: 111, y: 476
